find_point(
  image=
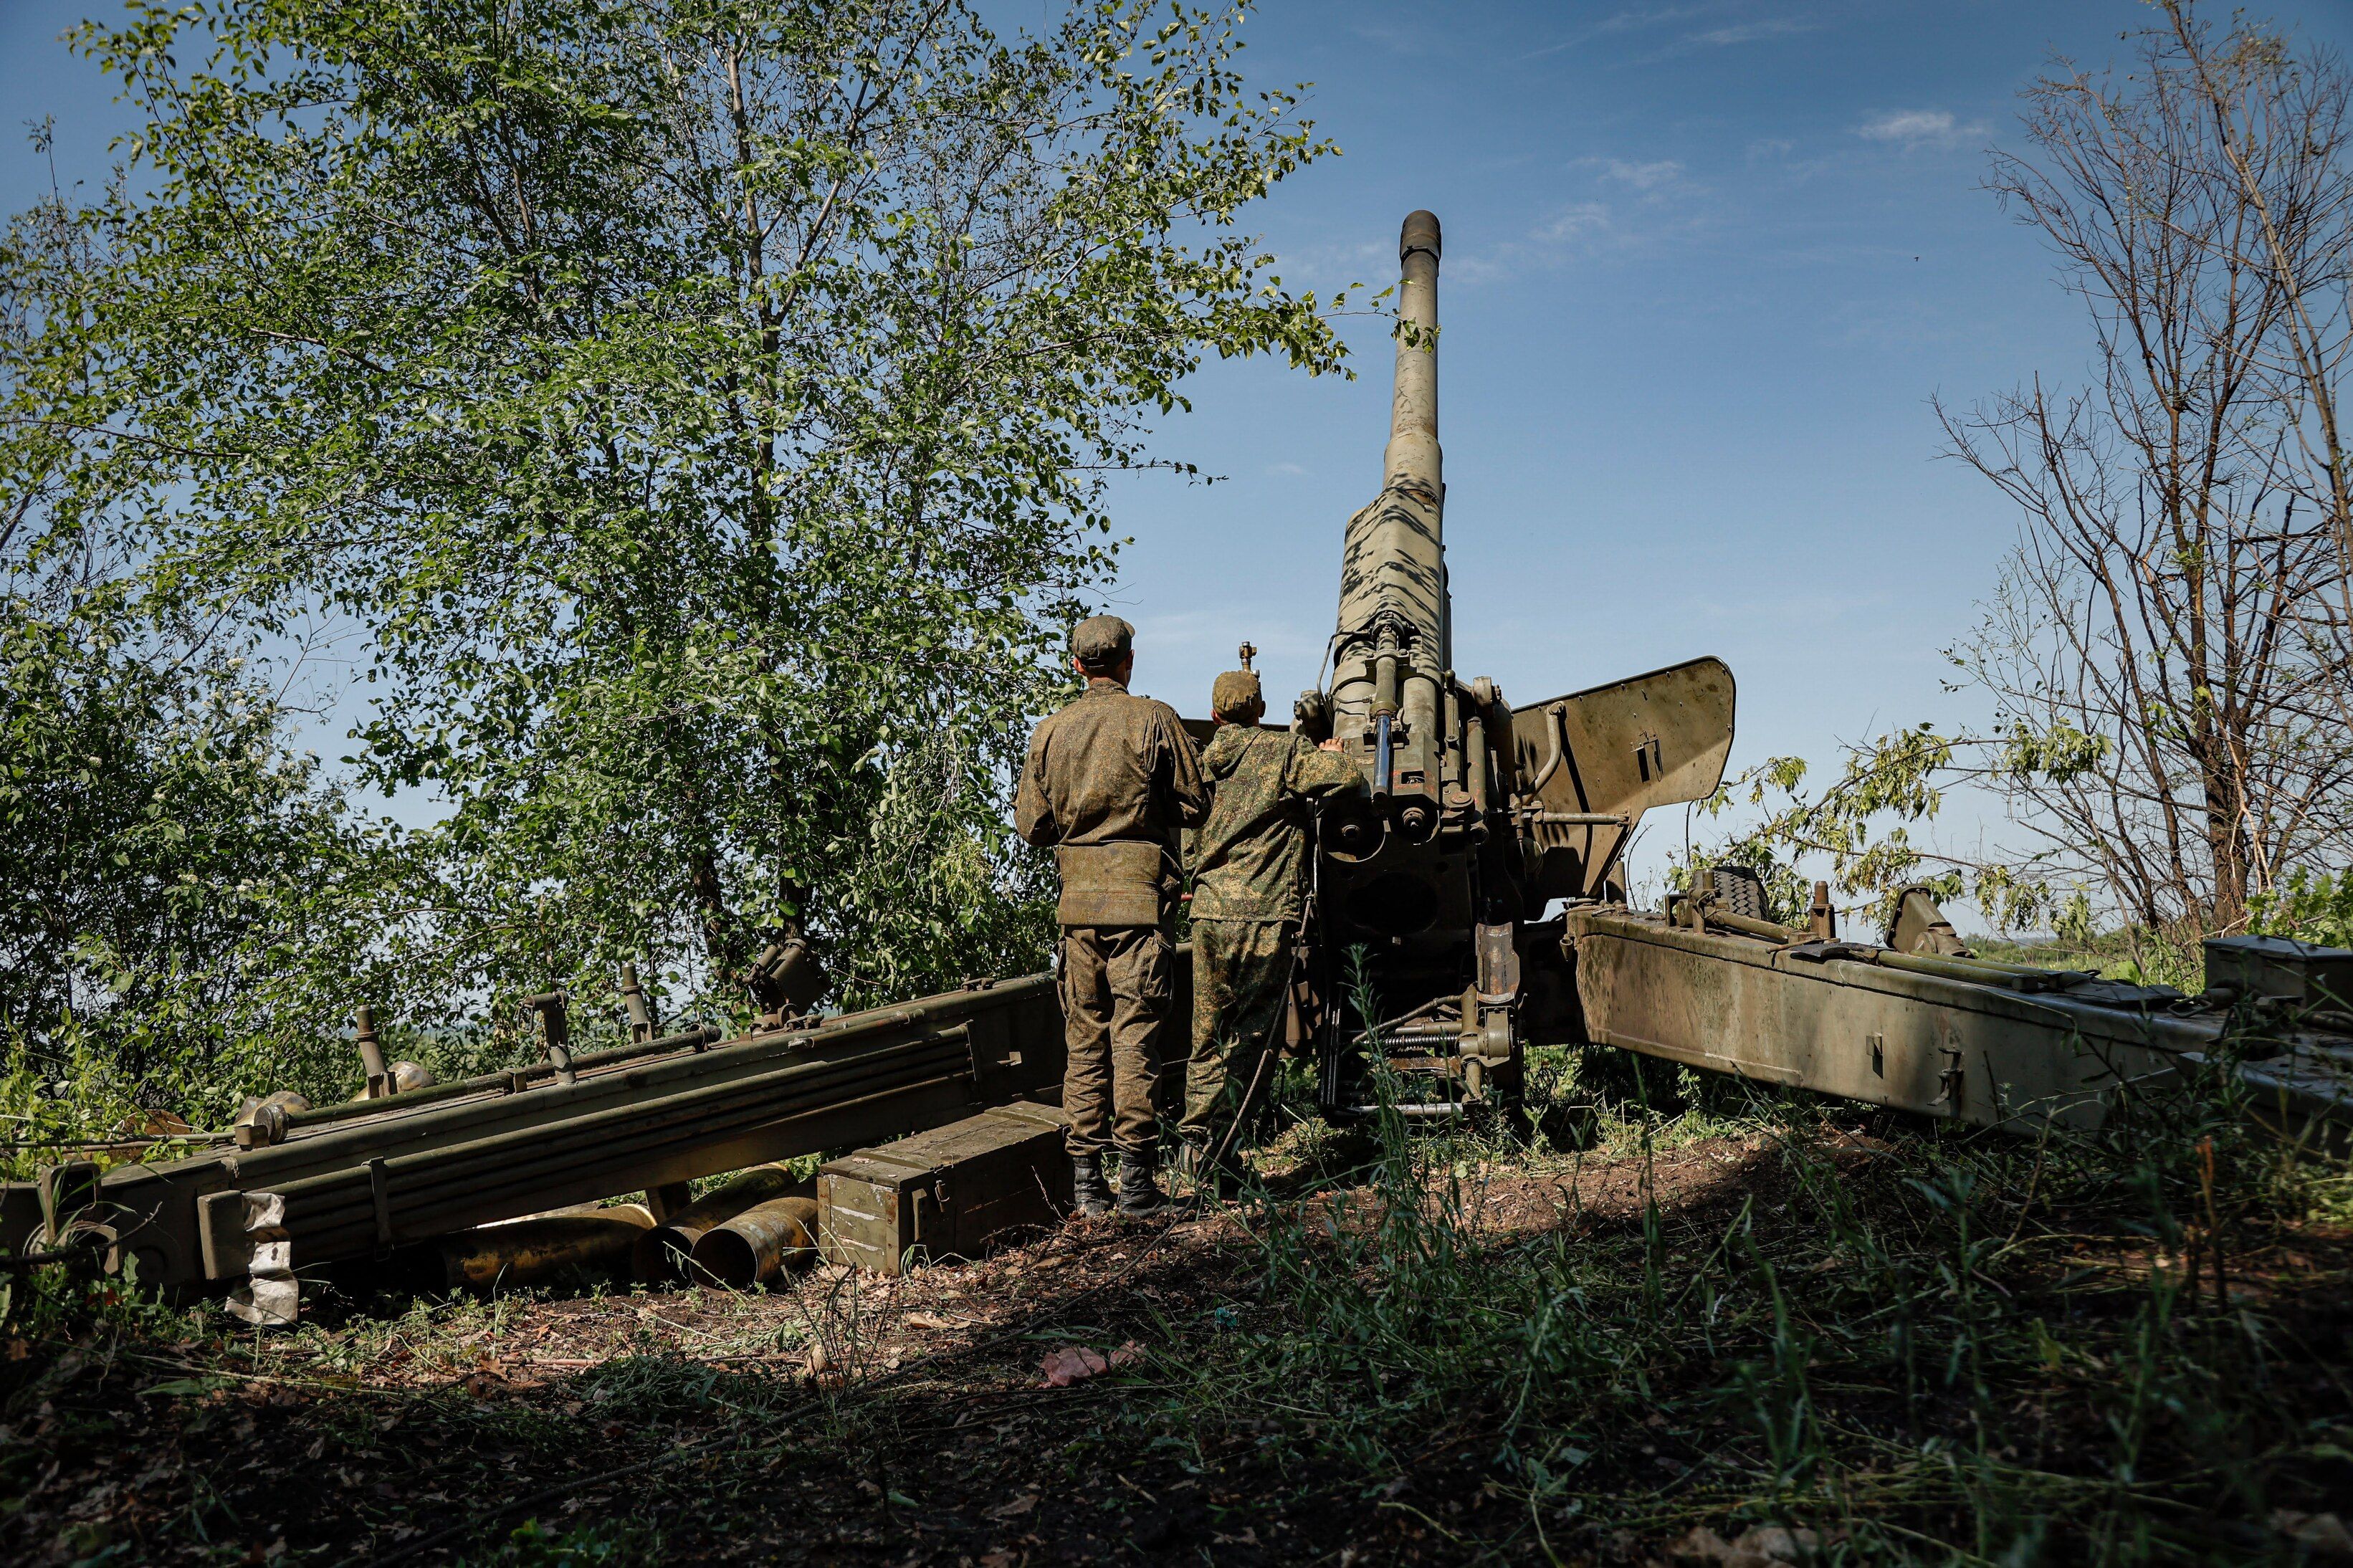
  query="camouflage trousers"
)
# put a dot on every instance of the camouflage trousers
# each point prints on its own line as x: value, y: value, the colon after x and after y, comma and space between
x: 1239, y: 971
x: 1115, y: 992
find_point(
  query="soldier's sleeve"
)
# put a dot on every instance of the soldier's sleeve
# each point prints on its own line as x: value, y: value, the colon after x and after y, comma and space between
x: 1033, y: 815
x: 1316, y: 773
x: 1187, y: 795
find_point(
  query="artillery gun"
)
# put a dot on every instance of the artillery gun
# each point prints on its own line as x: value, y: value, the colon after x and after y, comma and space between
x: 1479, y: 815
x: 1476, y: 898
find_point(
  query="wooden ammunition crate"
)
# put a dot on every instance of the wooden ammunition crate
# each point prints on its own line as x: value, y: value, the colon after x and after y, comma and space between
x: 947, y: 1193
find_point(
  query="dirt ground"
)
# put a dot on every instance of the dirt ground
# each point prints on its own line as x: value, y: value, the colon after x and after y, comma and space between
x: 926, y: 1435
x: 840, y: 1418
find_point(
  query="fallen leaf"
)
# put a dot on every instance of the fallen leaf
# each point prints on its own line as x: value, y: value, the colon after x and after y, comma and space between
x: 1070, y: 1363
x: 925, y: 1321
x: 1762, y: 1546
x: 1779, y: 1543
x: 1017, y: 1508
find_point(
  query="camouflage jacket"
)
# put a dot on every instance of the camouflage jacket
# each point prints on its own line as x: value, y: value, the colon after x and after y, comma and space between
x: 1249, y: 861
x: 1109, y: 781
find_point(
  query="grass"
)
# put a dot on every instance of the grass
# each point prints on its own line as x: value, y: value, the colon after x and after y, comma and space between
x: 1673, y: 1301
x: 2137, y: 955
x: 1929, y: 1344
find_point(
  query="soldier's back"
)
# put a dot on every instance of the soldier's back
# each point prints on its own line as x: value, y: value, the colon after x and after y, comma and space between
x: 1248, y: 859
x: 1104, y: 764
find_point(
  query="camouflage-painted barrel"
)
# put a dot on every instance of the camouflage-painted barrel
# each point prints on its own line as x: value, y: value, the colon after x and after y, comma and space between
x: 1392, y: 647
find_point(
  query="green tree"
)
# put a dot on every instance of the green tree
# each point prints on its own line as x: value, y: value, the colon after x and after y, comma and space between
x: 2167, y: 655
x: 699, y: 410
x: 165, y: 855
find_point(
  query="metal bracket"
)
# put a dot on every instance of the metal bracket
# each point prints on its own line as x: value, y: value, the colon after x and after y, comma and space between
x: 1949, y: 1082
x: 380, y: 1189
x: 1499, y: 963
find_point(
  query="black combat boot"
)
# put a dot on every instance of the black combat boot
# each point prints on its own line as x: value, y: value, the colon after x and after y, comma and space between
x: 1090, y: 1199
x: 1139, y: 1195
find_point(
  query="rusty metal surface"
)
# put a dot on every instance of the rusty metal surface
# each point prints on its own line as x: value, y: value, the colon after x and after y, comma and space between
x: 544, y: 1248
x: 666, y: 1251
x: 759, y: 1244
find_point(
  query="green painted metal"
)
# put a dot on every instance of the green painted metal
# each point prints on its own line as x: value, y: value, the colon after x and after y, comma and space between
x: 1942, y: 1038
x: 361, y: 1179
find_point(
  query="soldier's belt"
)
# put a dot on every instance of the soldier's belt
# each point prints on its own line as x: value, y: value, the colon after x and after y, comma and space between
x: 1120, y: 884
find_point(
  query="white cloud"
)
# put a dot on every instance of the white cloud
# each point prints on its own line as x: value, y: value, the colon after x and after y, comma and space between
x: 1642, y: 176
x: 1749, y: 32
x: 1636, y: 21
x: 1651, y: 16
x: 1579, y: 220
x: 1911, y: 128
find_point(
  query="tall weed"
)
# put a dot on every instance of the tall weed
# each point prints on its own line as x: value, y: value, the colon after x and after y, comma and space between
x: 1935, y: 1343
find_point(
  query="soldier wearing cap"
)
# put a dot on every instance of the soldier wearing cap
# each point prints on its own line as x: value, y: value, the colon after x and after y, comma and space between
x: 1249, y: 864
x: 1110, y: 782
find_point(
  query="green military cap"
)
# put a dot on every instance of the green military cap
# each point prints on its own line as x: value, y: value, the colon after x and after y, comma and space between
x: 1235, y: 691
x: 1101, y: 640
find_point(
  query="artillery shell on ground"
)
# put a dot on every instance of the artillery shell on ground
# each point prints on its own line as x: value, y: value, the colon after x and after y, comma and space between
x: 759, y: 1244
x: 667, y: 1251
x: 521, y: 1252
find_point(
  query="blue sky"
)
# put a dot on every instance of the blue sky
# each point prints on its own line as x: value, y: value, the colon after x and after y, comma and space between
x: 1706, y: 264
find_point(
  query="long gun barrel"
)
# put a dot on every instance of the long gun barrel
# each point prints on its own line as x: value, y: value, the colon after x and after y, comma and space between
x: 1393, y: 645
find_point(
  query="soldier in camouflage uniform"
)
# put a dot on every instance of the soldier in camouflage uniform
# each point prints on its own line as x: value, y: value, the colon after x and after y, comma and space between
x: 1109, y: 782
x: 1249, y: 864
